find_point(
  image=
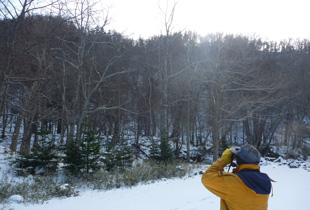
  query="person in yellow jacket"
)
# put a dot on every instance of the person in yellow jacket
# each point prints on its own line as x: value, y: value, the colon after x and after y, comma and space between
x: 246, y: 188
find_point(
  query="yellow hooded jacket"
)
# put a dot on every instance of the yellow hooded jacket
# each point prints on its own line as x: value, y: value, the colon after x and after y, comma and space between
x: 244, y: 189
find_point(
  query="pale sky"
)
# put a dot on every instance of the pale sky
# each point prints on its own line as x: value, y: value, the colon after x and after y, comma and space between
x: 269, y: 19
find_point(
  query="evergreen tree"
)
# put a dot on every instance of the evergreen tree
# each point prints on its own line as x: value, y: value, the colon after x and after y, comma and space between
x: 90, y: 147
x: 124, y: 154
x: 43, y: 158
x: 166, y: 152
x: 119, y: 155
x: 155, y: 153
x: 162, y: 152
x: 73, y: 156
x: 82, y: 155
x: 109, y: 156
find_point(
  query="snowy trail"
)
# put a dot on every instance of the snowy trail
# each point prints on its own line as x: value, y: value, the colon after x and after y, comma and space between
x: 291, y: 191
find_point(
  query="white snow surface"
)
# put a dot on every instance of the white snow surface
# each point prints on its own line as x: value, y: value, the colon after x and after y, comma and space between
x: 16, y: 198
x: 291, y: 191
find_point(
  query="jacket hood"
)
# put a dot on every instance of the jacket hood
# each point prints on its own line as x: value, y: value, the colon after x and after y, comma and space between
x: 255, y: 180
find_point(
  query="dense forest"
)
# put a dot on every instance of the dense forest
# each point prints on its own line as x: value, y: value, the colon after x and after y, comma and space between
x: 66, y: 74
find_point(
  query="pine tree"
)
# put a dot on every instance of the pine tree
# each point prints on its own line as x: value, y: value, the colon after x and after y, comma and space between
x: 166, y: 152
x: 119, y: 155
x: 125, y: 154
x: 73, y: 156
x: 82, y: 155
x: 162, y: 152
x: 43, y: 158
x: 155, y: 151
x: 109, y: 156
x: 91, y: 151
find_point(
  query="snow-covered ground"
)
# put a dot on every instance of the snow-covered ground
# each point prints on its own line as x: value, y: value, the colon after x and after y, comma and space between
x: 291, y: 191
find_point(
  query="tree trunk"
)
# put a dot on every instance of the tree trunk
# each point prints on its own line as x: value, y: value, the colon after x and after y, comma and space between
x: 35, y: 86
x: 4, y: 123
x: 216, y: 132
x: 17, y: 127
x: 26, y: 142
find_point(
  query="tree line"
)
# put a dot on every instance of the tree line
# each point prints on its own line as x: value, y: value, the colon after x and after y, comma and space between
x: 61, y: 72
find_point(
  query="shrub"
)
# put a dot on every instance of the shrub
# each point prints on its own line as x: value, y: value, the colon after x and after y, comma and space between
x: 38, y: 189
x: 43, y: 188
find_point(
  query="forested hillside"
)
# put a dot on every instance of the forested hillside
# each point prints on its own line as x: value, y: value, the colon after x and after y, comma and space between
x: 66, y: 75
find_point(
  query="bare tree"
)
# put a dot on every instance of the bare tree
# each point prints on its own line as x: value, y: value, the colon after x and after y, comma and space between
x: 238, y: 82
x: 91, y: 56
x: 164, y: 70
x: 38, y: 64
x: 14, y: 15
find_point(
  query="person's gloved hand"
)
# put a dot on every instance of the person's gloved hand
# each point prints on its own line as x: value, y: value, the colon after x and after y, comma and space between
x: 226, y: 156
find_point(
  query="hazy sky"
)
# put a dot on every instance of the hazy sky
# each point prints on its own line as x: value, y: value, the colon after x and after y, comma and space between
x: 269, y: 19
